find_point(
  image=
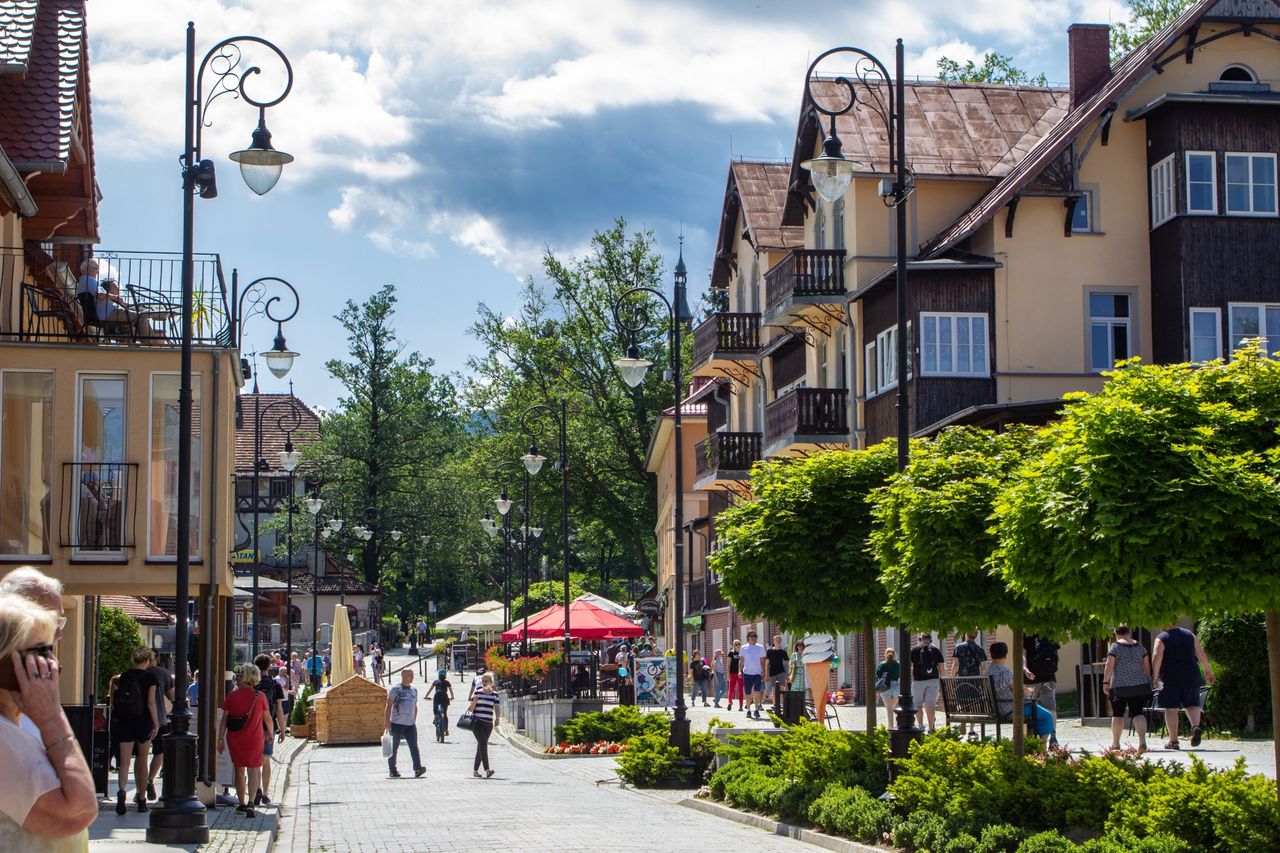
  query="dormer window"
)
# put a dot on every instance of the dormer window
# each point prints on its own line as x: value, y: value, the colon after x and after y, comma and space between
x: 1237, y: 74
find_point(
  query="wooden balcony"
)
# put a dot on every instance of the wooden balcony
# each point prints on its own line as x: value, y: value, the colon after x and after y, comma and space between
x: 703, y: 595
x: 806, y: 286
x: 807, y: 419
x: 725, y: 344
x: 724, y: 458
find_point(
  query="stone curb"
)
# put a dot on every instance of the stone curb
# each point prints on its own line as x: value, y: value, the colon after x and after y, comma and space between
x: 228, y: 823
x: 799, y: 833
x: 534, y: 749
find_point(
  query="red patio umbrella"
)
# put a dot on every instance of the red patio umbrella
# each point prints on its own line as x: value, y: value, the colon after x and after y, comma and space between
x: 586, y: 622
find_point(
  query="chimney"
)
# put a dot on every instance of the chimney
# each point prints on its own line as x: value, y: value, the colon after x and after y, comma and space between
x: 1089, y: 58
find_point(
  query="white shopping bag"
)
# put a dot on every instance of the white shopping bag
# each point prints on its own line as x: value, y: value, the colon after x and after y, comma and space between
x: 386, y: 744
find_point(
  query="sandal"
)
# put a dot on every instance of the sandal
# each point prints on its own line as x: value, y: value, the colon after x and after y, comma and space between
x: 1173, y: 744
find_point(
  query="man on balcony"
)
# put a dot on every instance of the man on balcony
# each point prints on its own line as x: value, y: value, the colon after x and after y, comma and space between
x: 100, y: 302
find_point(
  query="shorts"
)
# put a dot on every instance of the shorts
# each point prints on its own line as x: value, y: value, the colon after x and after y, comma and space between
x: 924, y: 693
x: 268, y: 746
x: 1134, y: 705
x: 1179, y: 697
x: 892, y: 691
x: 751, y: 683
x: 157, y: 742
x: 1046, y: 693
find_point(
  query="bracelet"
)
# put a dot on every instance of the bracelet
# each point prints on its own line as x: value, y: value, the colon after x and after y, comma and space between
x: 55, y: 742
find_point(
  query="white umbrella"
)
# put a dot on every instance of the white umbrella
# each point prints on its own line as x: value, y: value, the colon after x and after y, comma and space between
x: 341, y: 666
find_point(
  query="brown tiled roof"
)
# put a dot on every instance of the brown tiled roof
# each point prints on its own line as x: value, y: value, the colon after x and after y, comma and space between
x: 139, y: 608
x: 334, y: 585
x: 38, y: 107
x: 273, y: 437
x: 968, y: 130
x: 759, y: 190
x: 17, y: 23
x: 1128, y: 73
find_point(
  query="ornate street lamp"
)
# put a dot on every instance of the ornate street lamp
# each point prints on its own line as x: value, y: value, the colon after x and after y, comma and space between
x: 289, y: 420
x: 314, y: 504
x: 831, y: 175
x: 633, y: 368
x: 180, y: 817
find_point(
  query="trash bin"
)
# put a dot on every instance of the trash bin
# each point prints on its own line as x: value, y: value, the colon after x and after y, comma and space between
x: 792, y: 706
x: 626, y: 694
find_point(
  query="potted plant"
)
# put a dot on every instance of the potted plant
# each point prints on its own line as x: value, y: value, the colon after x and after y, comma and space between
x: 299, y: 718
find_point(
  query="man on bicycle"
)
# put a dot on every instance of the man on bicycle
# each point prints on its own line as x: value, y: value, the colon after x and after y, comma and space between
x: 443, y: 693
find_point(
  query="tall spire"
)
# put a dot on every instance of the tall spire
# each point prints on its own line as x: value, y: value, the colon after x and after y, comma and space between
x: 683, y: 314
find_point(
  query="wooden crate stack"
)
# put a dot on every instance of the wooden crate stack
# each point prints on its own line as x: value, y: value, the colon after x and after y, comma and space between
x: 350, y: 712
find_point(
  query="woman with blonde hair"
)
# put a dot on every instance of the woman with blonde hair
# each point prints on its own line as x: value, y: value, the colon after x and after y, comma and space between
x: 245, y: 719
x: 47, y: 799
x: 887, y: 674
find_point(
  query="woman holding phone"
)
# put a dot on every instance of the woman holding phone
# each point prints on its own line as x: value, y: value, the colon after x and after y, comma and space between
x: 47, y: 799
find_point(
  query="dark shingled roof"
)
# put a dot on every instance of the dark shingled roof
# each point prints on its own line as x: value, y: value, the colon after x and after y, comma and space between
x: 273, y: 437
x: 40, y: 122
x: 759, y: 190
x: 963, y: 130
x: 1128, y: 73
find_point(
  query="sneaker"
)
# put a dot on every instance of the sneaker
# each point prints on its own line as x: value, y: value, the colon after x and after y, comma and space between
x: 142, y: 805
x: 262, y: 799
x: 249, y: 812
x: 151, y: 790
x: 394, y: 775
x: 419, y: 772
x: 475, y: 773
x: 242, y: 808
x: 121, y: 808
x: 1053, y: 741
x: 1195, y: 736
x: 488, y: 773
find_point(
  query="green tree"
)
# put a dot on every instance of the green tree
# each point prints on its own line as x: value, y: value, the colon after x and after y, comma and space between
x: 798, y: 554
x: 995, y: 68
x: 118, y: 635
x: 935, y: 540
x: 1156, y: 498
x: 1146, y: 18
x: 1240, y: 700
x: 560, y: 344
x: 543, y: 594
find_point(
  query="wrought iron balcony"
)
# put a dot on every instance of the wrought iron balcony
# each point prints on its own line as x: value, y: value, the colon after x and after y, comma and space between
x: 805, y: 273
x: 807, y: 415
x: 725, y: 335
x: 144, y: 305
x: 99, y: 506
x: 726, y: 453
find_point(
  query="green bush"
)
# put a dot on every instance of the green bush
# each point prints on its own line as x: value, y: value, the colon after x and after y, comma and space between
x: 753, y: 748
x: 922, y: 832
x: 814, y: 753
x: 118, y: 635
x: 702, y: 751
x: 999, y: 838
x: 793, y: 803
x: 731, y: 771
x: 648, y: 761
x: 301, y: 705
x: 1241, y: 698
x: 1124, y: 841
x: 851, y: 812
x: 617, y: 725
x: 1050, y: 841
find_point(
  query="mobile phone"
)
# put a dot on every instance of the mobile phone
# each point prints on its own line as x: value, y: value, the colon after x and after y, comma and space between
x: 8, y: 678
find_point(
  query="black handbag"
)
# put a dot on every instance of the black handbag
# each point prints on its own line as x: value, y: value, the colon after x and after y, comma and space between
x: 882, y: 683
x: 465, y: 721
x: 1130, y: 691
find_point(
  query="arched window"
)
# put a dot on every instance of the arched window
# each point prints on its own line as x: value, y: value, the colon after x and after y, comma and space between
x: 820, y: 228
x: 837, y: 225
x: 1238, y: 74
x: 754, y: 286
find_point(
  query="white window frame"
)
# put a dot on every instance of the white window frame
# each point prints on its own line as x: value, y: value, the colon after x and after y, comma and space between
x: 951, y: 317
x: 837, y: 224
x: 881, y: 368
x: 820, y: 227
x: 1275, y: 189
x: 77, y: 551
x: 1191, y: 332
x: 1085, y: 199
x: 1213, y: 183
x: 1261, y: 307
x: 1164, y: 204
x: 869, y: 370
x: 1130, y: 323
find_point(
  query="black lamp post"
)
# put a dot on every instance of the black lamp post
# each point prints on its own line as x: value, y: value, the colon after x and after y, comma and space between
x: 314, y: 504
x: 633, y: 368
x: 287, y: 422
x: 493, y: 529
x: 533, y: 464
x: 180, y: 817
x: 832, y: 174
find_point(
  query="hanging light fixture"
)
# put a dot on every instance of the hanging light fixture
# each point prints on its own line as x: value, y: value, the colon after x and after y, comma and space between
x: 260, y: 164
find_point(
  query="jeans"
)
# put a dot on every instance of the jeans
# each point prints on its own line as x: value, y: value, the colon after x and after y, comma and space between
x: 719, y: 686
x: 410, y: 734
x: 698, y: 687
x: 482, y: 729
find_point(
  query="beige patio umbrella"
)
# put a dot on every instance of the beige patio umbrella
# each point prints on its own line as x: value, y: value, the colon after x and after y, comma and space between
x: 341, y: 665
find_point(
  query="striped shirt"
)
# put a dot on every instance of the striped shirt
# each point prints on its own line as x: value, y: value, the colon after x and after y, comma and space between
x: 486, y: 703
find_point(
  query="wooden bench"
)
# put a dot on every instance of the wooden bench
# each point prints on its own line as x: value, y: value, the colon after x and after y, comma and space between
x: 971, y: 699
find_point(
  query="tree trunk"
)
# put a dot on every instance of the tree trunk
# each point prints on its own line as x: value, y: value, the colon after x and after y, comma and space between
x: 1015, y: 663
x: 869, y: 673
x: 1273, y: 659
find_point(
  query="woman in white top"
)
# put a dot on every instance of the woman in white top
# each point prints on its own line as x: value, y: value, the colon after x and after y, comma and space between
x: 47, y: 799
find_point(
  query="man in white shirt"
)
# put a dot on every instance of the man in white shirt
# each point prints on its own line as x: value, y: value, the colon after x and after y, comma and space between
x: 750, y: 660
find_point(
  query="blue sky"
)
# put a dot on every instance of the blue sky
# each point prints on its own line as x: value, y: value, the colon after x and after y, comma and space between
x: 442, y: 146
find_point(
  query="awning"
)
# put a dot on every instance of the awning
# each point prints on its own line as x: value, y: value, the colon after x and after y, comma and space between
x: 586, y: 622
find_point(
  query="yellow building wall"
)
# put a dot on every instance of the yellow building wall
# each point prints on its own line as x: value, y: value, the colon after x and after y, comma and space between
x: 662, y: 463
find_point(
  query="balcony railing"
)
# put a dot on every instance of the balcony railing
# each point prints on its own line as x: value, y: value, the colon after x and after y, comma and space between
x: 805, y: 272
x: 144, y: 308
x: 99, y: 506
x: 726, y: 451
x: 807, y: 411
x: 726, y: 333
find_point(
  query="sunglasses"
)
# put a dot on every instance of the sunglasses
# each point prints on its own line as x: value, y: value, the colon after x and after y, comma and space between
x: 44, y: 651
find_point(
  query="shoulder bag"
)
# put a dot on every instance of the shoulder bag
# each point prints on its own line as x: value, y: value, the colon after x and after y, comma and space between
x: 236, y: 723
x: 882, y: 682
x: 465, y: 721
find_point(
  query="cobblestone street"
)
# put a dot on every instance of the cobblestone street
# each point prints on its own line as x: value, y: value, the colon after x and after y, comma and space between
x: 341, y: 800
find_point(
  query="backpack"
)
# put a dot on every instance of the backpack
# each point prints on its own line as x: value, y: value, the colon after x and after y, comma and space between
x: 129, y: 701
x: 1044, y: 657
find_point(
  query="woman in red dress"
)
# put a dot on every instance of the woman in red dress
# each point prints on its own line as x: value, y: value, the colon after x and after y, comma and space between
x: 245, y: 728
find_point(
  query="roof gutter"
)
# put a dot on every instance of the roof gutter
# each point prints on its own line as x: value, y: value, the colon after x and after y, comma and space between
x: 51, y: 167
x: 14, y: 188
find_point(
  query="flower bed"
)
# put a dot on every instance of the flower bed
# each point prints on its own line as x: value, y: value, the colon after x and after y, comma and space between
x: 600, y: 747
x: 956, y: 797
x: 533, y: 667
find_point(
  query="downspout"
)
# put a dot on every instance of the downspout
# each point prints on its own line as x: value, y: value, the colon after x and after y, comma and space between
x: 211, y: 599
x: 850, y: 377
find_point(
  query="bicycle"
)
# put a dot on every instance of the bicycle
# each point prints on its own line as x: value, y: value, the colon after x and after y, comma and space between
x: 442, y: 723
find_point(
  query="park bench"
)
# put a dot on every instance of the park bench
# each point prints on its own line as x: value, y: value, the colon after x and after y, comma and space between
x: 971, y: 699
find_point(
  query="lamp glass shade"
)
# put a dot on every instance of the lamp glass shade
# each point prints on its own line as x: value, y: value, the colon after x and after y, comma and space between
x: 831, y: 176
x: 314, y: 505
x: 279, y: 361
x: 503, y: 505
x: 533, y: 462
x: 395, y: 535
x: 335, y: 524
x: 261, y: 167
x: 632, y: 369
x: 289, y: 459
x: 535, y: 532
x: 327, y: 532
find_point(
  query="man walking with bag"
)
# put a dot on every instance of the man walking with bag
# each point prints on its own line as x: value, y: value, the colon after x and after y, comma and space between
x: 402, y: 722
